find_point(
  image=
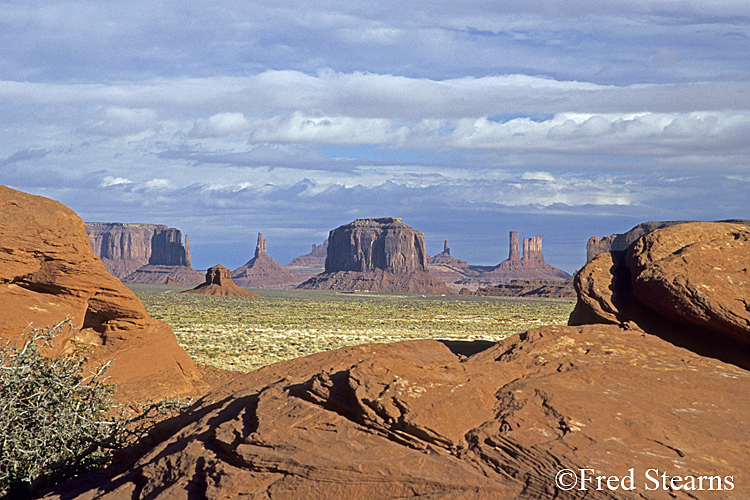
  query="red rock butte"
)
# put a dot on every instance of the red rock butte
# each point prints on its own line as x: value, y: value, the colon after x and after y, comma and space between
x: 377, y: 255
x: 529, y: 265
x: 143, y: 253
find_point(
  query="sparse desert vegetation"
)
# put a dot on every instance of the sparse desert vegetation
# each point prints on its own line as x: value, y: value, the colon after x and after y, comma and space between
x: 241, y: 333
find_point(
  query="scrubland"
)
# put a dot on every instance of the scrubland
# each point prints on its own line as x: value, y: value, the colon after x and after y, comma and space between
x: 244, y: 333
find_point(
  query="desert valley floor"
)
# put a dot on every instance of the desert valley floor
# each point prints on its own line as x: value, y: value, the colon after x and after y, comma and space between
x: 244, y: 333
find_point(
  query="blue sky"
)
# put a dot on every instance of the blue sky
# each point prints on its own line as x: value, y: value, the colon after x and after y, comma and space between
x: 468, y: 119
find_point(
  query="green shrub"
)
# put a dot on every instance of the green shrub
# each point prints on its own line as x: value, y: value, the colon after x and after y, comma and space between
x: 56, y: 420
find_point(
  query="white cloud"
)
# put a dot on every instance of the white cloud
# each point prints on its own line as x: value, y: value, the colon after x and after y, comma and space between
x: 538, y: 176
x: 114, y: 181
x: 301, y: 128
x: 219, y: 125
x: 159, y: 184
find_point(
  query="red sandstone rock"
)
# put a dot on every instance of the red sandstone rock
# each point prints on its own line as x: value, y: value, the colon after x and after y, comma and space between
x: 263, y: 272
x: 48, y: 271
x: 219, y: 282
x: 419, y: 419
x: 696, y: 273
x: 620, y: 242
x: 376, y: 255
x: 126, y: 248
x: 686, y: 283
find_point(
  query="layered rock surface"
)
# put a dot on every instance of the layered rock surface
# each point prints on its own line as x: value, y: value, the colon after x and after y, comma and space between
x: 122, y: 247
x: 420, y: 419
x: 48, y: 271
x: 262, y: 271
x: 553, y: 289
x: 383, y: 255
x: 475, y: 420
x: 316, y: 259
x: 219, y: 282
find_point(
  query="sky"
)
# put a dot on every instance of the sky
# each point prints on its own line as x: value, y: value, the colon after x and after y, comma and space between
x: 468, y: 119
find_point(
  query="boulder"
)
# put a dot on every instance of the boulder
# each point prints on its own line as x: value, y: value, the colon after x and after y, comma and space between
x: 697, y: 273
x: 219, y: 282
x: 383, y: 255
x: 687, y: 283
x: 48, y: 271
x: 263, y: 272
x: 460, y: 420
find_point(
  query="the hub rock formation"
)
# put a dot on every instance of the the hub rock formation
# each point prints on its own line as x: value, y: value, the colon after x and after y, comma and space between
x: 262, y: 271
x: 219, y: 282
x: 380, y: 255
x: 48, y: 271
x: 143, y: 253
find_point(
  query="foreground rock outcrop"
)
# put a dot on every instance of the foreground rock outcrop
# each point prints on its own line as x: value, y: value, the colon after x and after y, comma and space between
x: 694, y: 275
x: 263, y: 272
x: 219, y: 282
x: 376, y: 255
x: 620, y: 242
x: 420, y: 419
x: 48, y: 271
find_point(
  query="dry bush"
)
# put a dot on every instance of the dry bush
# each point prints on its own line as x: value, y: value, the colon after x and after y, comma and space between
x: 56, y: 421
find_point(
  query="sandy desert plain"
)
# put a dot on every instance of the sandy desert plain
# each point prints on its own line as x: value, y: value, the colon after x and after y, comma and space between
x: 245, y: 333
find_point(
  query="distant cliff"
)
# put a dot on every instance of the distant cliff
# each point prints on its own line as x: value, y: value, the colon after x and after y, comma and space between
x: 125, y: 248
x: 315, y: 259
